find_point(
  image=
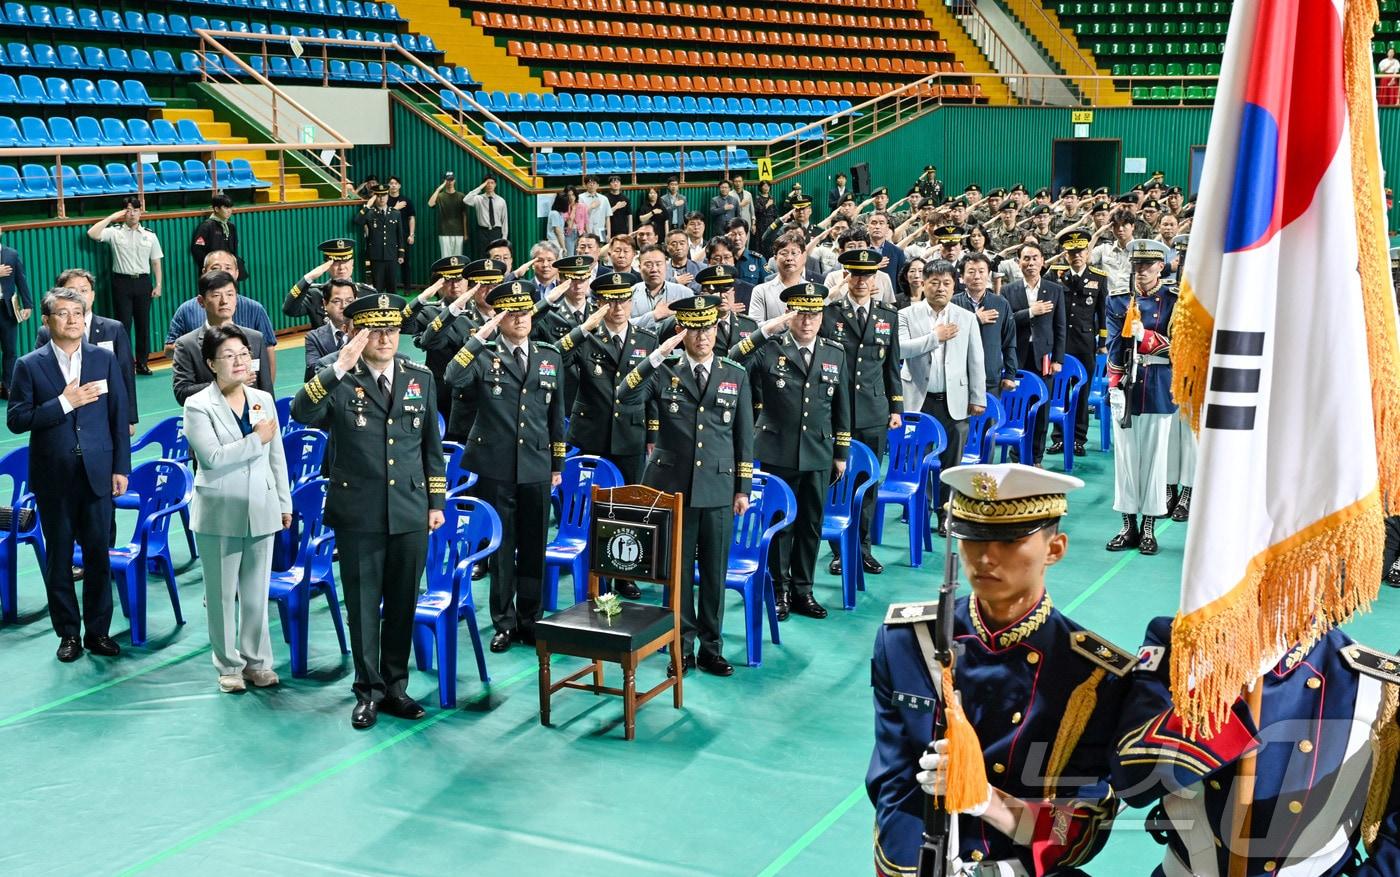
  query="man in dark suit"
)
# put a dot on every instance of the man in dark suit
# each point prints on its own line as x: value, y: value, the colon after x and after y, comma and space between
x: 838, y: 192
x: 1039, y: 308
x: 218, y: 294
x: 699, y: 394
x: 331, y: 335
x: 102, y: 332
x: 71, y: 397
x: 14, y: 296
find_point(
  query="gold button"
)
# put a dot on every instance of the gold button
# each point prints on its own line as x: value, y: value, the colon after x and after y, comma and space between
x: 1270, y: 865
x: 1215, y: 784
x: 976, y: 855
x: 391, y: 482
x: 1016, y: 718
x: 390, y: 420
x: 1295, y: 807
x: 391, y: 461
x: 1079, y: 637
x: 998, y: 768
x: 391, y: 441
x: 1032, y: 658
x: 1305, y: 746
x: 1314, y: 682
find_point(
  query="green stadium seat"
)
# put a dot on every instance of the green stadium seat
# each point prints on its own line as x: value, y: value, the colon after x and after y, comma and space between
x: 1195, y: 92
x: 1137, y: 70
x: 1194, y: 70
x: 1174, y: 70
x: 1159, y: 93
x: 1210, y: 92
x: 1155, y: 70
x: 1212, y: 69
x: 1176, y: 92
x: 1140, y: 94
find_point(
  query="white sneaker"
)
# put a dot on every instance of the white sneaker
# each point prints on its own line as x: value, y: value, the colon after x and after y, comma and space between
x: 231, y: 684
x: 260, y: 678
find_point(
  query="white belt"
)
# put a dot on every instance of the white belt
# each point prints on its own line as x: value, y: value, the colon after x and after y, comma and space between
x: 1153, y: 360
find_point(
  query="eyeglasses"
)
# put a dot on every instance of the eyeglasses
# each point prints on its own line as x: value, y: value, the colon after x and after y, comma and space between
x: 245, y: 356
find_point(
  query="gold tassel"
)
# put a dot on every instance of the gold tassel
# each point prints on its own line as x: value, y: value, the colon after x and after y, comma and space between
x: 1130, y: 317
x: 966, y: 770
x: 1191, y: 329
x: 1383, y: 346
x: 1078, y: 709
x: 1385, y: 742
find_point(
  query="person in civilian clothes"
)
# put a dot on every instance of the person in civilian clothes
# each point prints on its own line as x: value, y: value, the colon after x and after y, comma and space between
x: 704, y: 450
x: 218, y: 294
x: 1039, y: 307
x: 517, y: 447
x: 1086, y: 296
x: 994, y: 321
x: 101, y: 331
x: 799, y: 378
x: 16, y: 304
x: 868, y: 332
x: 327, y: 338
x: 70, y: 397
x: 387, y: 490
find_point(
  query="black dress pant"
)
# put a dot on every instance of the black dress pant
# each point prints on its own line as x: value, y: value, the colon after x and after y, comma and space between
x: 706, y: 534
x: 792, y: 559
x: 630, y: 465
x: 375, y: 567
x: 73, y: 515
x: 936, y: 405
x: 384, y: 276
x: 517, y: 567
x: 9, y: 343
x: 131, y: 301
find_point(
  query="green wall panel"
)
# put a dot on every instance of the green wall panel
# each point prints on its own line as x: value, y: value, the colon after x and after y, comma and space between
x: 279, y: 245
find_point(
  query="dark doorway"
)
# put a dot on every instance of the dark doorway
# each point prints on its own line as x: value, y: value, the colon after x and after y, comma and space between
x: 1086, y: 164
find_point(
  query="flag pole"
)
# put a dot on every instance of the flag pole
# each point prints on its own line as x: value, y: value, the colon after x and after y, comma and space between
x: 1244, y: 792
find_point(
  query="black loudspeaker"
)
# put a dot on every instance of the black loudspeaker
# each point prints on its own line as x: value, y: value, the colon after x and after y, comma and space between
x: 860, y: 179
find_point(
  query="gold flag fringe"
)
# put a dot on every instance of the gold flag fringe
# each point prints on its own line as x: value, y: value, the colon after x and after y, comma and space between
x: 1377, y: 295
x: 1191, y: 328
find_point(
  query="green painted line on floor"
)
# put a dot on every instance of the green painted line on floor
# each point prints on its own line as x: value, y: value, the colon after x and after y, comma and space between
x: 816, y: 831
x: 813, y: 833
x: 321, y: 776
x: 101, y: 686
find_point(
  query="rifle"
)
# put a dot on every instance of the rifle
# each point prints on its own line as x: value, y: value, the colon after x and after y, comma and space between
x: 937, y: 851
x: 1126, y: 386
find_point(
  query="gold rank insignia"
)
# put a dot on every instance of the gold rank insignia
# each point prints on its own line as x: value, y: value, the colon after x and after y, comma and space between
x: 911, y: 613
x: 437, y: 484
x: 1102, y: 653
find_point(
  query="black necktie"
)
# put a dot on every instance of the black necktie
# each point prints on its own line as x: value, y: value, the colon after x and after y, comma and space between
x: 806, y: 358
x: 384, y: 385
x: 860, y: 315
x: 339, y: 340
x: 520, y: 359
x: 701, y: 377
x: 491, y: 210
x: 617, y: 342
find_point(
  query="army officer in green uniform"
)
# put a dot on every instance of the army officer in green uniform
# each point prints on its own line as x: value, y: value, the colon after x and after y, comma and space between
x: 387, y: 489
x: 799, y: 378
x: 516, y: 446
x: 704, y: 449
x: 307, y: 297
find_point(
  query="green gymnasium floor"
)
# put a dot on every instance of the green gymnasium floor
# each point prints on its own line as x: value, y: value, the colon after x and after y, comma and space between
x: 140, y: 765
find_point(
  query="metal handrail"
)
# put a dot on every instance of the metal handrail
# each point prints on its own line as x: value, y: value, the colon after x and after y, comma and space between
x: 1002, y: 58
x: 1027, y: 9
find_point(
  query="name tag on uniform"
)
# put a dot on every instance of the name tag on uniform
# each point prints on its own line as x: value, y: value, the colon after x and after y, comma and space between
x: 916, y: 702
x: 109, y: 346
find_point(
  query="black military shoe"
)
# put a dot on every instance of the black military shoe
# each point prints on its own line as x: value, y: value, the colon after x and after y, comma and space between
x: 627, y: 589
x: 1183, y: 506
x: 1127, y: 537
x: 403, y: 707
x: 715, y: 665
x: 500, y: 642
x: 69, y: 649
x: 363, y: 717
x: 1148, y: 543
x: 1056, y: 448
x: 1080, y: 449
x: 1171, y: 498
x: 806, y: 604
x: 780, y: 603
x: 835, y: 566
x: 687, y: 664
x: 872, y: 566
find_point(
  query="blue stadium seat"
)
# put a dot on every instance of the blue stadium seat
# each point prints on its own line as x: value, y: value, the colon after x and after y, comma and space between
x: 136, y: 22
x: 695, y: 161
x: 592, y: 133
x: 62, y: 132
x: 612, y: 102
x: 10, y: 135
x: 651, y: 162
x: 549, y: 103
x: 71, y: 184
x: 90, y: 132
x: 625, y: 132
x: 804, y: 107
x: 179, y: 27
x: 558, y: 131
x: 687, y: 131
x: 18, y: 55
x: 644, y: 104
x: 157, y: 23
x: 32, y: 91
x: 11, y: 186
x: 702, y: 131
x: 110, y: 92
x: 583, y: 103
x: 92, y: 180
x: 40, y: 16
x: 150, y: 178
x: 136, y: 94
x: 116, y: 133
x: 463, y: 76
x: 243, y: 174
x: 140, y: 132
x: 277, y: 66
x: 554, y: 165
x: 223, y: 176
x: 576, y: 132
x: 142, y: 62
x: 38, y: 181
x: 656, y: 131
x: 165, y: 62
x: 629, y: 102
x: 9, y: 90
x: 33, y: 132
x: 111, y: 20
x: 426, y: 45
x: 747, y: 107
x: 16, y: 14
x: 607, y: 132
x: 748, y: 132
x: 669, y: 165
x: 118, y: 60
x: 164, y: 133
x: 599, y: 162
x: 171, y: 175
x: 189, y: 132
x: 566, y: 102
x: 740, y: 159
x: 341, y: 71
x: 65, y: 18
x: 66, y: 56
x: 573, y: 166
x: 689, y: 106
x: 374, y: 71
x: 83, y: 91
x: 713, y: 159
x: 448, y: 100
x: 300, y: 69
x: 197, y: 175
x: 119, y: 178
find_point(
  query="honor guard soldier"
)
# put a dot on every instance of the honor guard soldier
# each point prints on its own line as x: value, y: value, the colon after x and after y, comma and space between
x: 516, y: 446
x: 1323, y: 778
x: 307, y: 298
x: 1181, y: 445
x: 929, y: 186
x: 732, y: 328
x: 1086, y: 299
x: 384, y: 236
x: 1041, y: 692
x: 451, y: 326
x: 868, y: 333
x: 799, y: 378
x: 1140, y: 394
x: 704, y: 449
x: 387, y: 489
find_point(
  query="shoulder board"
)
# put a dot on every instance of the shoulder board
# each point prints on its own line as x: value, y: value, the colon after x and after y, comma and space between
x: 881, y: 306
x: 1059, y: 269
x: 1102, y: 652
x: 728, y: 361
x: 1093, y: 269
x: 822, y: 342
x: 1370, y: 662
x: 545, y: 345
x: 911, y: 613
x: 414, y: 364
x: 645, y: 333
x: 1170, y: 286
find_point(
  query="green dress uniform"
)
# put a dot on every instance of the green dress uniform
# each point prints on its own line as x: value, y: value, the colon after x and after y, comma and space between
x: 871, y: 344
x: 386, y: 471
x: 553, y: 322
x: 790, y: 388
x: 516, y: 444
x: 385, y: 240
x: 704, y: 450
x: 446, y: 333
x: 308, y: 300
x: 599, y: 422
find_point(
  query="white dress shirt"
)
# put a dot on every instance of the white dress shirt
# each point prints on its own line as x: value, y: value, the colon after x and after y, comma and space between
x: 72, y: 368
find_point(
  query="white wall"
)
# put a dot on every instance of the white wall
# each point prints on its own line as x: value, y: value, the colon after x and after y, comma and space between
x: 361, y: 115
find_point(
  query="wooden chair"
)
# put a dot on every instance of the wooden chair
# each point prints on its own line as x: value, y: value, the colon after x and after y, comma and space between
x: 638, y: 631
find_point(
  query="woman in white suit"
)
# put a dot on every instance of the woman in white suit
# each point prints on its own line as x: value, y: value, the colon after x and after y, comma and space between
x: 241, y: 500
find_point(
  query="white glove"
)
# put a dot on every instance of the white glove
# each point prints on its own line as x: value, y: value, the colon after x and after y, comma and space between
x: 933, y: 779
x: 1138, y: 331
x: 1117, y: 402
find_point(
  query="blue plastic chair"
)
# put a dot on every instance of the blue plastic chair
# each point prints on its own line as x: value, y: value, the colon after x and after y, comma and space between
x: 1064, y: 401
x: 569, y: 547
x: 1098, y: 402
x: 305, y: 451
x: 15, y: 466
x: 459, y: 479
x: 908, y: 478
x: 165, y: 487
x: 980, y: 429
x: 772, y: 508
x: 471, y: 532
x: 168, y: 436
x: 310, y: 575
x: 841, y: 517
x: 1020, y: 407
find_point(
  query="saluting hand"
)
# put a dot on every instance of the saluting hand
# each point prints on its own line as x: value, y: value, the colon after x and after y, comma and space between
x: 777, y: 324
x: 350, y: 354
x: 428, y: 294
x: 489, y: 327
x: 670, y: 344
x: 595, y: 319
x: 556, y: 293
x: 311, y: 275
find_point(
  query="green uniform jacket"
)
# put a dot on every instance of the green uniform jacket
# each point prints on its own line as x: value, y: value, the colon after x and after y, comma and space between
x: 518, y: 430
x: 599, y: 422
x: 704, y: 447
x: 384, y: 458
x: 786, y: 394
x: 872, y: 360
x: 729, y: 331
x: 443, y: 336
x: 306, y: 300
x: 385, y: 234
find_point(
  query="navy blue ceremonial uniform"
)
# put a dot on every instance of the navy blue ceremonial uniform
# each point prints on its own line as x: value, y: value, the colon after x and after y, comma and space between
x: 1018, y: 687
x: 1151, y: 392
x: 1315, y: 760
